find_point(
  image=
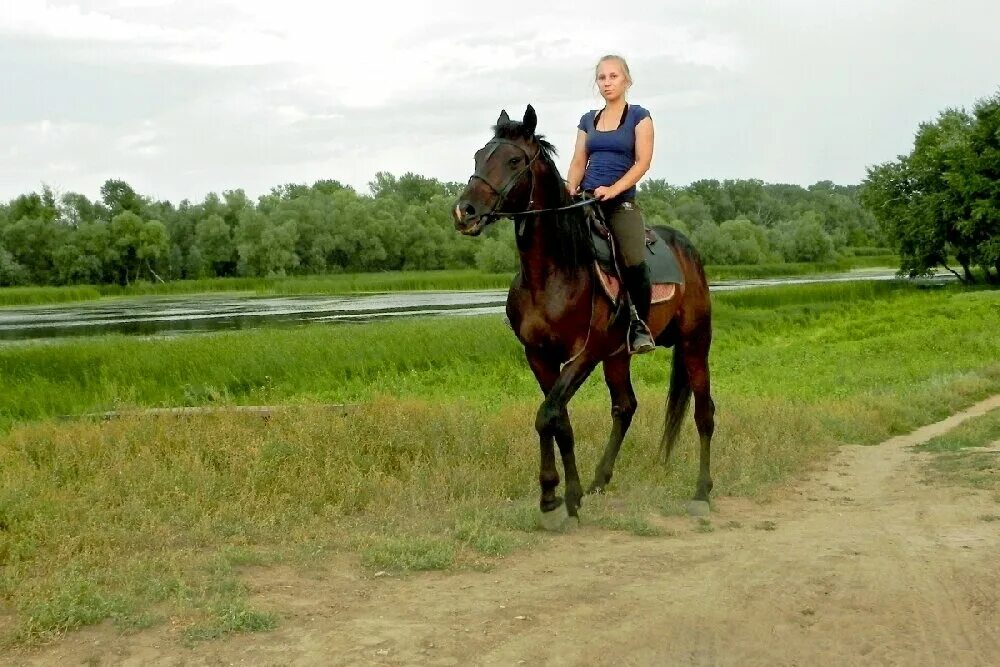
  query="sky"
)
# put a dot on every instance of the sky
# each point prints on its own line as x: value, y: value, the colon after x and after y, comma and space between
x: 185, y: 98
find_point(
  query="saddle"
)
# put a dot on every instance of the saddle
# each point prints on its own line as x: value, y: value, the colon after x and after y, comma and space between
x: 665, y: 273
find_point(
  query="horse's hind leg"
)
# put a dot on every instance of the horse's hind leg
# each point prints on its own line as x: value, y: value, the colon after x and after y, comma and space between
x: 696, y: 362
x: 623, y: 404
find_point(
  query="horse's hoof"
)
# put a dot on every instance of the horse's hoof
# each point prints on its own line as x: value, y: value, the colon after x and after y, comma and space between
x: 699, y: 508
x: 595, y: 489
x: 558, y: 520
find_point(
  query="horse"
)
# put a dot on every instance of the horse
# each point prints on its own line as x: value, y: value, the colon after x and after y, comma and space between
x: 567, y: 325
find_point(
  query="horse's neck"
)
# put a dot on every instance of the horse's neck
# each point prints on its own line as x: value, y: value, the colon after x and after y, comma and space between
x: 538, y: 242
x: 536, y: 265
x: 537, y: 246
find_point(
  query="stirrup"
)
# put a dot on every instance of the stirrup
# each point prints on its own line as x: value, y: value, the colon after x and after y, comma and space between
x: 640, y: 338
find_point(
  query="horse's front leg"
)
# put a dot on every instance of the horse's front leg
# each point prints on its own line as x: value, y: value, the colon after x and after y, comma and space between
x: 552, y: 423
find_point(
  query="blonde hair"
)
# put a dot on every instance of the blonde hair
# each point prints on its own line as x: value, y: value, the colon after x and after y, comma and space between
x: 621, y: 62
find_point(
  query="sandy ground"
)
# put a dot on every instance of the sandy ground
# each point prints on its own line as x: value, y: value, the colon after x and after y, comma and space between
x: 864, y: 562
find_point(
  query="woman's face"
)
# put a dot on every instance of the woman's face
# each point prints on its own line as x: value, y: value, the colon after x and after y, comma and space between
x: 611, y: 80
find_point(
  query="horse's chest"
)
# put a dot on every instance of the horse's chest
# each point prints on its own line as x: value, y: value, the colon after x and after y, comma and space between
x: 543, y: 325
x: 535, y: 331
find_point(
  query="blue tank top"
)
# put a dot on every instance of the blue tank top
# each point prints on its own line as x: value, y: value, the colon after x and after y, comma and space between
x: 610, y: 154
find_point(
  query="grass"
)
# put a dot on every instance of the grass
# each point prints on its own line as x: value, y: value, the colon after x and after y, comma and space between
x: 410, y: 553
x: 980, y: 431
x: 962, y: 456
x: 27, y: 296
x: 746, y: 271
x: 345, y: 283
x: 389, y: 281
x: 435, y: 466
x: 813, y: 294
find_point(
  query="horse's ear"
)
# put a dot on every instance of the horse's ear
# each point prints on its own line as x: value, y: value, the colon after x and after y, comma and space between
x: 530, y: 121
x: 504, y: 118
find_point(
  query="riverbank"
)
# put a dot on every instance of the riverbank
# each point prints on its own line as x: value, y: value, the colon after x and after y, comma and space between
x: 337, y: 284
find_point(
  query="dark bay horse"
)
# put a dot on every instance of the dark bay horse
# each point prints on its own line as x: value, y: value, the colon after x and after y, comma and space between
x: 567, y: 324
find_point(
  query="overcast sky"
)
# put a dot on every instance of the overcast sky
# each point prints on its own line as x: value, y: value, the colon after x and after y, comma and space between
x: 185, y: 98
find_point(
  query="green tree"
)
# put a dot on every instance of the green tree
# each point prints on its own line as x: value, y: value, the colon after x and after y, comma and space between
x: 11, y: 273
x: 716, y: 197
x: 119, y: 197
x: 747, y: 242
x: 89, y: 257
x: 803, y: 240
x: 154, y: 246
x: 139, y: 246
x: 712, y: 244
x: 32, y: 241
x: 265, y: 248
x: 409, y: 187
x: 75, y: 209
x: 982, y: 184
x: 213, y: 241
x: 496, y: 256
x: 940, y: 200
x: 692, y: 211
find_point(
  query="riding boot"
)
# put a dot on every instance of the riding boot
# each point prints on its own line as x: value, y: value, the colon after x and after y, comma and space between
x: 637, y: 284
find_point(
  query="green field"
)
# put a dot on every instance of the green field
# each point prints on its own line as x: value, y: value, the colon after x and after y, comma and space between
x: 433, y: 463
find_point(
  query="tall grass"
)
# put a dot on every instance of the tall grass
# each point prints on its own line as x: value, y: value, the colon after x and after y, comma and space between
x: 836, y: 294
x: 435, y: 466
x: 717, y: 272
x: 345, y: 283
x: 27, y: 296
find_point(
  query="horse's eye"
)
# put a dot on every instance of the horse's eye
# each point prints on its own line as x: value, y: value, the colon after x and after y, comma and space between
x: 513, y: 161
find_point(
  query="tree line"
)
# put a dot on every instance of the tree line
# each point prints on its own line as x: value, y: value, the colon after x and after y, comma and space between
x: 402, y: 223
x: 940, y: 203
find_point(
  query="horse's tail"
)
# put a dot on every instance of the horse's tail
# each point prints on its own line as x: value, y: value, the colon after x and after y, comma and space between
x: 679, y: 394
x: 678, y: 398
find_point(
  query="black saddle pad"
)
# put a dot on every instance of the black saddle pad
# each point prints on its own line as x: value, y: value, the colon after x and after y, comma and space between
x: 662, y: 262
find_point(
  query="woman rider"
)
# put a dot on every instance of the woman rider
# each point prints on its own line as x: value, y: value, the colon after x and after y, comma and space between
x: 614, y: 148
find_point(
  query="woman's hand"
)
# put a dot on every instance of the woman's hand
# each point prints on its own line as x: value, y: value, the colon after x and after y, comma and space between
x: 604, y: 192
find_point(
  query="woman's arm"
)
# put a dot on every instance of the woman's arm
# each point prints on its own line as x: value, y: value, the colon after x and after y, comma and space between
x: 643, y: 158
x: 578, y: 164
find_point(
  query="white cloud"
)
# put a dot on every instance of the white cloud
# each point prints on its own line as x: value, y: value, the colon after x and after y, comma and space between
x: 185, y: 98
x: 141, y: 143
x: 57, y: 21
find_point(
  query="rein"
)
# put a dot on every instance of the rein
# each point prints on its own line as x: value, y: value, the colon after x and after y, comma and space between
x: 536, y: 211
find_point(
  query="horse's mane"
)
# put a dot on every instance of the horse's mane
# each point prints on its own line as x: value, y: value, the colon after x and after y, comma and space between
x: 514, y: 130
x: 567, y: 232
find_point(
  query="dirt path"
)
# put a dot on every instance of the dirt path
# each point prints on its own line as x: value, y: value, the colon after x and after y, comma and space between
x: 863, y: 563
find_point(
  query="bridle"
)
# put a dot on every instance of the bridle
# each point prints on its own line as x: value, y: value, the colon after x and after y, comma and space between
x: 502, y: 192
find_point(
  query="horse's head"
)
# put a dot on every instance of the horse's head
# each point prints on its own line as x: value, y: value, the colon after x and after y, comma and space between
x: 503, y: 179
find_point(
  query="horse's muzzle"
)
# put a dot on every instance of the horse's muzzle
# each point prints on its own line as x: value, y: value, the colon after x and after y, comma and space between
x: 467, y: 221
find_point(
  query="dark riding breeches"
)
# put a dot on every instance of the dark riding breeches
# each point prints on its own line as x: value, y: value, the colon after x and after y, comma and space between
x: 625, y: 221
